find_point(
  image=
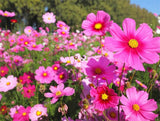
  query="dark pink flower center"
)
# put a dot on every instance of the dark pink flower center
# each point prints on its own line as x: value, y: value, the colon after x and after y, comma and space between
x: 98, y: 71
x: 112, y: 114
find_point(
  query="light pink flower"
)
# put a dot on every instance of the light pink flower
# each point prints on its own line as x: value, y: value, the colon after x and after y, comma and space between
x: 59, y: 91
x: 34, y: 46
x: 137, y: 106
x: 49, y: 18
x: 60, y: 24
x: 28, y: 30
x: 8, y: 83
x: 37, y: 111
x: 97, y: 24
x: 44, y: 75
x: 14, y: 110
x: 133, y: 47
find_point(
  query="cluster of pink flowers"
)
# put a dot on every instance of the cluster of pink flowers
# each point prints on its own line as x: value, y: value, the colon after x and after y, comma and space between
x: 100, y: 74
x: 20, y: 113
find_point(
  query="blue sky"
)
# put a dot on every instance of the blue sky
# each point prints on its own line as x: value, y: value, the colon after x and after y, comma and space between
x: 151, y: 5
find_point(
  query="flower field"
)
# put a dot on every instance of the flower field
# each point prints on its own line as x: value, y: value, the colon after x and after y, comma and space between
x: 103, y: 73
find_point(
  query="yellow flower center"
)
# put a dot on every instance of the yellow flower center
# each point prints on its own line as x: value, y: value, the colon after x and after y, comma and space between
x: 26, y: 43
x: 49, y: 18
x: 29, y: 91
x: 2, y: 110
x: 85, y: 106
x: 24, y: 114
x: 112, y: 114
x: 98, y: 71
x: 71, y: 43
x: 68, y: 61
x: 141, y: 84
x: 136, y: 107
x: 38, y: 113
x: 104, y: 96
x: 98, y: 26
x: 106, y: 54
x: 58, y: 93
x: 5, y: 14
x: 61, y: 76
x: 60, y: 25
x: 8, y: 83
x: 29, y: 30
x: 79, y: 60
x: 12, y: 40
x: 133, y: 43
x: 55, y: 68
x: 2, y: 71
x: 44, y: 74
x: 33, y: 45
x: 21, y: 39
x: 63, y: 32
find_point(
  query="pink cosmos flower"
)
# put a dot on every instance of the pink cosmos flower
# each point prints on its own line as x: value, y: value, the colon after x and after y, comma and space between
x: 34, y: 46
x: 60, y: 24
x: 37, y: 111
x: 29, y: 91
x: 8, y: 83
x: 104, y: 97
x: 28, y: 30
x: 137, y: 106
x: 62, y: 32
x: 17, y: 60
x: 49, y: 18
x: 22, y: 115
x: 61, y: 76
x: 3, y: 70
x: 8, y: 14
x: 133, y: 47
x: 97, y: 24
x: 59, y: 91
x: 44, y: 75
x: 100, y: 68
x: 14, y: 110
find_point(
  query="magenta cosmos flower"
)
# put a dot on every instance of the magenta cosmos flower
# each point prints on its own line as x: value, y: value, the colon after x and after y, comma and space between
x: 22, y: 114
x: 97, y: 24
x: 3, y: 70
x: 137, y: 106
x: 29, y: 91
x: 133, y: 47
x: 49, y: 18
x: 104, y: 97
x: 58, y: 92
x: 100, y: 69
x: 44, y: 75
x: 37, y: 111
x: 8, y: 83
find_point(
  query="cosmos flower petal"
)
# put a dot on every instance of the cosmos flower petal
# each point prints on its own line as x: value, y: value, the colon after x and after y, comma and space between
x: 144, y: 32
x: 149, y: 56
x: 150, y: 105
x: 69, y: 91
x: 149, y: 115
x: 129, y: 27
x: 48, y: 94
x: 91, y: 17
x: 117, y: 32
x: 54, y: 100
